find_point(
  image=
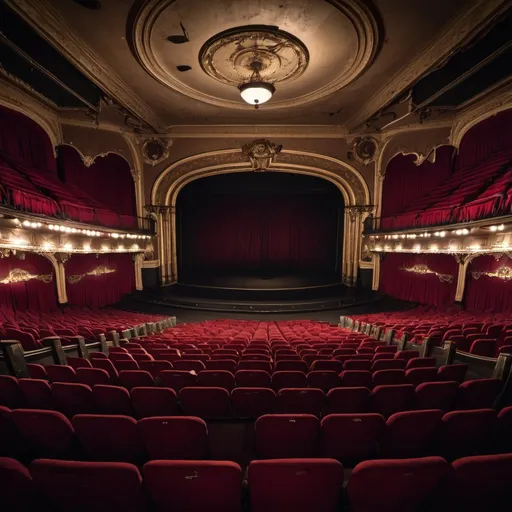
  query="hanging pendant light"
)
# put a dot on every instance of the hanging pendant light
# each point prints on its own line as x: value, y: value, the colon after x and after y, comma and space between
x: 256, y: 91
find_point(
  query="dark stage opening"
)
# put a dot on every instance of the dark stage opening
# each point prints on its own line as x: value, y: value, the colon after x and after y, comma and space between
x: 260, y: 230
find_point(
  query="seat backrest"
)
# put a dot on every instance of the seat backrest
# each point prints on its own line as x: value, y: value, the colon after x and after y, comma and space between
x: 417, y: 376
x: 73, y: 398
x: 194, y: 485
x: 174, y: 437
x: 388, y: 364
x: 133, y: 378
x: 388, y: 400
x: 347, y: 400
x: 287, y: 435
x: 478, y: 394
x: 153, y: 401
x: 300, y: 485
x: 253, y: 379
x: 388, y: 377
x: 61, y: 373
x: 48, y: 433
x: 216, y: 378
x: 324, y: 380
x: 105, y: 486
x: 414, y: 480
x: 10, y: 392
x: 177, y: 379
x: 112, y: 400
x: 356, y: 378
x: 206, y: 402
x: 104, y: 437
x: 288, y: 379
x: 452, y: 372
x: 92, y: 376
x: 300, y: 401
x: 436, y: 395
x: 18, y: 490
x: 253, y: 402
x: 37, y: 394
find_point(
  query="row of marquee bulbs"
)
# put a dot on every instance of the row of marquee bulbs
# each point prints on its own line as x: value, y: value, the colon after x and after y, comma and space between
x: 88, y: 232
x: 440, y: 234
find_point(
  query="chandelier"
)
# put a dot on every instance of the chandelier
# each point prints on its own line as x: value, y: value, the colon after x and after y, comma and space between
x: 256, y: 91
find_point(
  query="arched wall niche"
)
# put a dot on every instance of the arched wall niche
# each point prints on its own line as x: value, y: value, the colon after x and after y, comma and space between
x: 44, y: 117
x: 347, y: 179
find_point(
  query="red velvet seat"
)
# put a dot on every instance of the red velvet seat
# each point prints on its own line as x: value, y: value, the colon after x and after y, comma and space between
x: 265, y: 366
x: 92, y: 376
x: 37, y: 394
x: 291, y: 366
x: 417, y: 376
x: 347, y: 400
x: 174, y: 437
x: 288, y: 379
x: 107, y: 486
x: 456, y: 372
x: 177, y: 379
x: 388, y: 400
x: 408, y: 434
x: 351, y: 438
x: 47, y: 433
x: 407, y: 354
x: 154, y: 367
x: 436, y: 395
x: 10, y: 392
x: 152, y: 401
x: 358, y: 365
x: 125, y: 365
x: 205, y: 402
x: 253, y: 379
x: 299, y: 485
x: 478, y: 394
x: 61, y: 373
x: 73, y: 398
x: 252, y: 402
x: 391, y: 485
x: 108, y: 437
x: 300, y: 401
x: 216, y: 378
x: 421, y: 362
x: 18, y: 490
x: 37, y: 371
x: 287, y: 435
x: 356, y: 378
x: 135, y: 378
x: 463, y: 433
x: 466, y: 489
x: 329, y: 365
x: 227, y: 365
x: 388, y: 364
x: 13, y: 444
x: 78, y: 362
x: 106, y: 364
x: 112, y: 400
x: 194, y: 486
x: 388, y: 377
x: 324, y: 380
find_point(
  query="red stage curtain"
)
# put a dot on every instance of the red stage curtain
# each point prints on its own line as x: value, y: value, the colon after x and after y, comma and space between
x: 492, y: 135
x: 259, y: 233
x: 24, y: 140
x: 488, y: 294
x: 108, y: 179
x: 28, y: 295
x: 405, y: 182
x: 99, y: 290
x: 422, y: 288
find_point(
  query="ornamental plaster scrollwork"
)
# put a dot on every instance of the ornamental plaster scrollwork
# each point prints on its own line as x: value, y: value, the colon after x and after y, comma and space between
x: 423, y: 269
x: 262, y: 153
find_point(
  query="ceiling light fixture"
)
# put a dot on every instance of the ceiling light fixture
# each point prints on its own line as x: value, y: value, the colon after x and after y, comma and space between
x: 256, y: 91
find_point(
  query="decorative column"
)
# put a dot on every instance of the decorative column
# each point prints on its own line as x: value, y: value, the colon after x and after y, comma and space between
x: 463, y: 260
x: 58, y: 261
x: 137, y: 260
x: 164, y: 240
x: 376, y: 271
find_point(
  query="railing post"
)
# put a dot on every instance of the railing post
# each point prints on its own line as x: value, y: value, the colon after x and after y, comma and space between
x: 503, y: 371
x: 113, y: 336
x: 14, y: 358
x: 103, y: 342
x: 59, y: 357
x: 425, y: 347
x: 450, y: 347
x: 81, y: 348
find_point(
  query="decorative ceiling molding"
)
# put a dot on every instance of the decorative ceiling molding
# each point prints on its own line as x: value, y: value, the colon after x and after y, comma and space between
x: 355, y: 12
x: 48, y: 22
x: 343, y: 175
x: 453, y: 36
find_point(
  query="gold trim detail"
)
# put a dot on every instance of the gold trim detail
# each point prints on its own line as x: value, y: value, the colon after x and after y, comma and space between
x: 504, y: 273
x: 17, y: 275
x: 423, y: 269
x: 98, y: 271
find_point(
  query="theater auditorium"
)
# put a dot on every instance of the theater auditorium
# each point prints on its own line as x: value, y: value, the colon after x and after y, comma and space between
x: 255, y: 255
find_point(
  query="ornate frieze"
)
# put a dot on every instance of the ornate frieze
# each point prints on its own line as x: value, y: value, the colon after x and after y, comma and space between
x: 18, y: 275
x: 423, y: 269
x: 98, y: 271
x: 262, y: 153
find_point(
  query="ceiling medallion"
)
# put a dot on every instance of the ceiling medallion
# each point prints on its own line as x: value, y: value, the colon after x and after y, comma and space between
x: 155, y: 150
x: 254, y: 58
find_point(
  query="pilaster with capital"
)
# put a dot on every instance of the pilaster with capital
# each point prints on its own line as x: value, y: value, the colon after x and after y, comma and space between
x: 354, y: 224
x: 463, y: 260
x: 137, y: 260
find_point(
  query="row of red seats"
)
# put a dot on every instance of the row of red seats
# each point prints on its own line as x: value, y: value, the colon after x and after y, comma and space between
x: 215, y: 402
x: 30, y: 327
x: 468, y: 195
x: 29, y: 190
x: 476, y: 334
x: 349, y: 438
x: 299, y: 485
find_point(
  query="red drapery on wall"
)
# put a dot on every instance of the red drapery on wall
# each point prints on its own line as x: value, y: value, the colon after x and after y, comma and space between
x: 24, y: 140
x: 99, y: 290
x: 33, y: 294
x: 488, y: 293
x: 405, y: 181
x: 260, y: 232
x: 492, y: 135
x: 415, y: 287
x: 108, y: 179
